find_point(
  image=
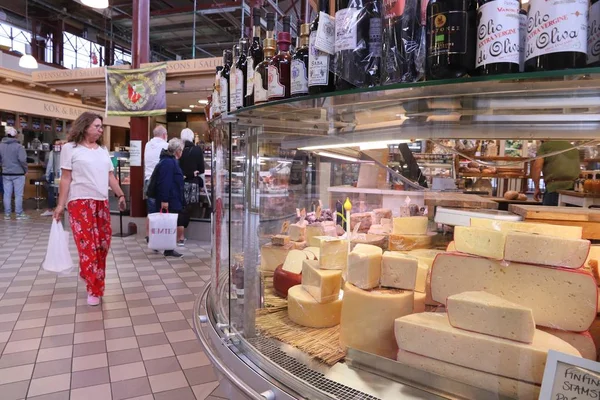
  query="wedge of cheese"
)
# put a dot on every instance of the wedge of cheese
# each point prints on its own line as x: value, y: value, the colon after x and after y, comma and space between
x: 368, y: 317
x: 297, y: 232
x: 304, y: 310
x: 312, y: 252
x: 323, y: 285
x: 431, y: 335
x: 480, y: 241
x: 284, y: 280
x: 546, y: 250
x: 402, y: 271
x: 583, y: 341
x: 293, y: 261
x: 364, y: 266
x: 273, y: 256
x: 451, y: 246
x: 486, y: 313
x: 410, y: 226
x: 333, y: 254
x: 560, y: 298
x: 427, y: 256
x: 560, y: 231
x: 411, y: 242
x: 315, y: 241
x: 495, y: 384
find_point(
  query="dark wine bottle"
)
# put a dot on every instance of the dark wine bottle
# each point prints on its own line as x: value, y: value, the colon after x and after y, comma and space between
x: 241, y: 70
x: 224, y: 86
x: 255, y: 56
x: 593, y: 58
x: 261, y: 72
x: 299, y: 85
x: 358, y: 34
x: 233, y: 78
x: 556, y: 35
x: 522, y: 38
x: 280, y: 65
x: 320, y: 70
x: 498, y: 37
x: 451, y: 36
x: 401, y: 41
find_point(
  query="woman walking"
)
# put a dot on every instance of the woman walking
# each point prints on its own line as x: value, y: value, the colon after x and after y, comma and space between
x: 86, y: 174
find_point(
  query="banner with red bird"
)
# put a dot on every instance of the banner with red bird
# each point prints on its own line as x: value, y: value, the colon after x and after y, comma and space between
x: 136, y: 92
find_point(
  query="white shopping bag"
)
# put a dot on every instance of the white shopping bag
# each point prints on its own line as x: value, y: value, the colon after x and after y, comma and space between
x: 162, y: 231
x: 58, y: 259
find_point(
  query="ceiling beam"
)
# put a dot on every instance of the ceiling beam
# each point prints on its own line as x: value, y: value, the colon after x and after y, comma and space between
x: 189, y: 9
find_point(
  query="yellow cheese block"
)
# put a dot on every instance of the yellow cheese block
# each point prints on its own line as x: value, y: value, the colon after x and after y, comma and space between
x: 323, y: 285
x: 402, y: 271
x: 273, y: 256
x: 410, y: 226
x: 481, y: 242
x: 333, y: 254
x: 368, y: 316
x: 297, y: 232
x: 451, y: 246
x: 560, y: 231
x: 316, y: 229
x: 304, y: 310
x: 398, y: 242
x: 315, y: 241
x: 419, y: 303
x: 546, y: 250
x: 364, y: 266
x: 426, y: 256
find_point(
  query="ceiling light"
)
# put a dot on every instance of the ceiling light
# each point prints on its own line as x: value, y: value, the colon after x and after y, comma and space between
x: 192, y: 106
x: 203, y: 101
x: 339, y: 157
x: 372, y: 145
x: 186, y: 110
x: 77, y: 90
x: 27, y: 61
x: 100, y: 4
x: 175, y: 93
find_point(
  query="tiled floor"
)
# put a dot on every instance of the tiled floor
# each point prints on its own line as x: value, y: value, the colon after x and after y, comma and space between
x: 138, y: 344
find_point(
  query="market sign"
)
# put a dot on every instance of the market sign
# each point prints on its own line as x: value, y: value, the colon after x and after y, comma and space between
x: 567, y: 377
x: 136, y: 92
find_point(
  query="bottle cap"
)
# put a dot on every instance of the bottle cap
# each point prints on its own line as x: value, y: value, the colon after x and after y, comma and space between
x: 286, y: 23
x: 269, y: 44
x: 270, y: 21
x: 305, y: 30
x: 256, y: 16
x: 243, y: 45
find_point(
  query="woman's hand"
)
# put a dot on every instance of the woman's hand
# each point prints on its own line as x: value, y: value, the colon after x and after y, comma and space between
x: 164, y: 206
x: 122, y: 203
x: 58, y: 212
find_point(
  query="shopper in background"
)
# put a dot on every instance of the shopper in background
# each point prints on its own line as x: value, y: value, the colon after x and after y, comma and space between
x: 14, y: 167
x: 151, y: 158
x: 52, y: 172
x: 560, y: 171
x: 192, y: 164
x: 169, y: 188
x: 87, y: 173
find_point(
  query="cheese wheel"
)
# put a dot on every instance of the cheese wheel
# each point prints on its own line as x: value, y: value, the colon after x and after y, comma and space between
x: 480, y: 242
x: 399, y: 242
x: 304, y: 310
x: 364, y: 266
x: 583, y: 341
x: 410, y: 226
x: 368, y: 316
x: 561, y: 231
x: 546, y: 250
x: 283, y: 280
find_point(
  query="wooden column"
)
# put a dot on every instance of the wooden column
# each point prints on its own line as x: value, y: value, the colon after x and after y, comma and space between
x: 140, y: 54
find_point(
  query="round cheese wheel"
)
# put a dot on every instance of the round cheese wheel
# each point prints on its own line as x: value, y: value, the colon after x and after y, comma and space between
x: 284, y: 280
x: 304, y: 310
x: 511, y: 195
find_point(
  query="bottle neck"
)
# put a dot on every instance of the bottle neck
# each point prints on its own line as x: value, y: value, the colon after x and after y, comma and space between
x: 269, y: 53
x: 256, y: 33
x: 304, y: 40
x: 284, y: 41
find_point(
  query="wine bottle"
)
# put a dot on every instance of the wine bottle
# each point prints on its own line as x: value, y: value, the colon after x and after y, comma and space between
x: 522, y: 38
x: 593, y: 58
x: 217, y: 93
x: 233, y: 78
x: 255, y: 56
x: 241, y: 68
x: 261, y: 73
x: 299, y: 86
x: 320, y: 64
x: 498, y: 37
x: 280, y: 65
x: 224, y: 85
x: 401, y: 41
x: 451, y: 36
x: 556, y: 35
x: 357, y: 43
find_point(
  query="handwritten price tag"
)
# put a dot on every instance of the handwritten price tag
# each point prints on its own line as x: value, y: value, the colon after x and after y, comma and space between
x: 284, y: 227
x: 568, y: 377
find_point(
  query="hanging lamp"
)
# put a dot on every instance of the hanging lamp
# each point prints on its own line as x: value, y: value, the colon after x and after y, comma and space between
x: 99, y: 4
x: 27, y: 61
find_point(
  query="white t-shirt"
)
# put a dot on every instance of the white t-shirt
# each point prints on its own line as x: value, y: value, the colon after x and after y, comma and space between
x: 152, y: 155
x: 89, y: 171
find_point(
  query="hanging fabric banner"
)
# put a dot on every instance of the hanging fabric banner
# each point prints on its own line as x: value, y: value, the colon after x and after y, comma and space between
x: 136, y: 92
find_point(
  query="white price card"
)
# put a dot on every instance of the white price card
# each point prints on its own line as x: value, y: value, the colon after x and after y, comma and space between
x: 135, y: 153
x: 325, y: 40
x: 568, y: 377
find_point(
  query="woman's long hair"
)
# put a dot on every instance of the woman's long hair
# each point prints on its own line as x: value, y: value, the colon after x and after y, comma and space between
x: 81, y: 125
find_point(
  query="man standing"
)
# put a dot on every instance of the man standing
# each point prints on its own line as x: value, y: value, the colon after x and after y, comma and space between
x: 560, y: 171
x: 52, y: 173
x: 14, y: 167
x: 151, y: 158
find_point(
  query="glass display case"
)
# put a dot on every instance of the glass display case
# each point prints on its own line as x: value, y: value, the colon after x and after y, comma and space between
x: 311, y: 299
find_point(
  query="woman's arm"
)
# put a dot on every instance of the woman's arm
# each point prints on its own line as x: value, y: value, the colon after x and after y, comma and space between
x: 114, y: 185
x: 63, y: 193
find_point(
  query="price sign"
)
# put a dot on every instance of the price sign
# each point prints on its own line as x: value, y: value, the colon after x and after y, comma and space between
x: 285, y: 226
x: 567, y: 377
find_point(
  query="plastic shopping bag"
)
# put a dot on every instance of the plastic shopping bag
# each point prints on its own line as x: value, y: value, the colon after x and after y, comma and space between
x: 163, y: 231
x: 58, y: 259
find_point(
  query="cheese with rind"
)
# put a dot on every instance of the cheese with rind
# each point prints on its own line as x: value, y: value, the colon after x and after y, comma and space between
x: 297, y: 232
x: 315, y: 241
x: 560, y: 231
x: 333, y: 254
x: 402, y: 271
x: 411, y: 242
x: 425, y: 255
x: 293, y: 261
x: 368, y: 316
x: 489, y: 314
x: 364, y: 266
x: 304, y: 310
x: 495, y: 384
x: 480, y: 242
x: 546, y: 250
x: 431, y: 335
x: 560, y: 298
x: 381, y: 213
x: 312, y: 252
x: 410, y: 226
x: 273, y: 256
x: 582, y: 341
x: 451, y: 246
x: 323, y: 285
x: 284, y: 280
x: 365, y: 220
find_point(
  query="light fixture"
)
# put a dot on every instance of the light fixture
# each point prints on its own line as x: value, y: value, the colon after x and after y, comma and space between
x: 175, y: 93
x: 76, y: 90
x: 27, y: 61
x: 203, y: 101
x: 339, y: 157
x: 362, y: 145
x: 192, y: 106
x: 99, y: 4
x: 186, y: 110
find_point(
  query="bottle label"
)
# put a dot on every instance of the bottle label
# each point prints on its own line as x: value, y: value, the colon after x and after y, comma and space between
x: 555, y: 26
x: 393, y: 8
x: 216, y: 103
x: 523, y: 40
x: 250, y: 76
x: 375, y: 36
x: 224, y: 89
x: 448, y: 33
x: 232, y: 89
x: 325, y: 40
x: 498, y: 33
x: 318, y: 64
x: 260, y: 94
x: 299, y: 78
x: 594, y: 34
x: 346, y: 21
x: 239, y: 88
x: 276, y: 89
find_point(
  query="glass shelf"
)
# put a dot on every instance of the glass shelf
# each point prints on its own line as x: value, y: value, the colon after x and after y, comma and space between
x: 553, y: 104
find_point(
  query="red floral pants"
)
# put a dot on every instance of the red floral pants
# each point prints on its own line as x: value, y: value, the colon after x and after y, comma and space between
x: 90, y: 223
